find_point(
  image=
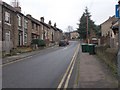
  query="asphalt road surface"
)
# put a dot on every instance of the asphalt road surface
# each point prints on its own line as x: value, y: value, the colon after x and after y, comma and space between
x: 44, y: 70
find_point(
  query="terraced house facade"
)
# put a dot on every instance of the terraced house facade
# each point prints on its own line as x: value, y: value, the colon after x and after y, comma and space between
x: 8, y: 14
x: 18, y: 30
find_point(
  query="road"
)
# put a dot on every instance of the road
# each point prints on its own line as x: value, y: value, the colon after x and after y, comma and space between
x: 43, y: 70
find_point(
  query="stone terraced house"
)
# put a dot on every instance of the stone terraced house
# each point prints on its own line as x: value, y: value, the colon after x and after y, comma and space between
x: 18, y: 30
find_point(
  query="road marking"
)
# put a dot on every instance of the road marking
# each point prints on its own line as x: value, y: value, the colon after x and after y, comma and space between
x: 23, y: 58
x: 65, y: 48
x: 63, y: 79
x: 16, y: 61
x: 69, y: 75
x: 67, y: 71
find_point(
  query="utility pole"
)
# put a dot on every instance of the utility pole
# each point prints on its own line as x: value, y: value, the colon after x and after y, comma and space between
x: 87, y: 29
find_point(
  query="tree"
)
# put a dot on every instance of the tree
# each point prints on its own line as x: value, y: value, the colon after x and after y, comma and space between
x: 86, y: 25
x: 69, y: 28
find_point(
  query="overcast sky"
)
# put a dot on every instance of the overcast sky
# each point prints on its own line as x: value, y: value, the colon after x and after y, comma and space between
x: 67, y: 12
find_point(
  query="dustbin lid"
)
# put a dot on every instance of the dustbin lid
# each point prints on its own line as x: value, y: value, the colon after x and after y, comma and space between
x: 91, y: 44
x: 84, y: 43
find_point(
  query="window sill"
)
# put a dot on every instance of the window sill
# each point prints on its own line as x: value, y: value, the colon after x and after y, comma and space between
x: 8, y: 24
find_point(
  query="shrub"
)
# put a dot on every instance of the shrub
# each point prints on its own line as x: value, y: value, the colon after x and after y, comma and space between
x: 34, y: 41
x: 39, y: 42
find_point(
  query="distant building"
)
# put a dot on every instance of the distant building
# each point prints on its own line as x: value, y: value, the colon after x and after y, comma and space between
x: 66, y: 35
x: 108, y: 36
x: 105, y: 26
x: 114, y: 35
x: 74, y: 35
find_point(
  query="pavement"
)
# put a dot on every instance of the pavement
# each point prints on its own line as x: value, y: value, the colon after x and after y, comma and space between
x: 95, y: 74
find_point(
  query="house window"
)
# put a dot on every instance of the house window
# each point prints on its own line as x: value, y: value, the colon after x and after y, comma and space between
x: 32, y: 25
x: 46, y: 35
x: 19, y: 21
x: 42, y: 36
x: 25, y: 38
x: 7, y: 17
x: 42, y: 27
x: 51, y: 32
x: 26, y: 23
x: 36, y: 27
x: 20, y: 39
x: 7, y: 37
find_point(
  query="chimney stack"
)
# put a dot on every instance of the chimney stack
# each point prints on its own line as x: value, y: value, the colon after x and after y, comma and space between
x: 55, y: 25
x: 16, y: 5
x: 49, y: 22
x: 28, y: 15
x: 18, y: 9
x: 42, y: 19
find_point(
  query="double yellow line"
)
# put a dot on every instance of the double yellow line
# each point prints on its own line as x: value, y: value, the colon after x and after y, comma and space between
x: 69, y: 70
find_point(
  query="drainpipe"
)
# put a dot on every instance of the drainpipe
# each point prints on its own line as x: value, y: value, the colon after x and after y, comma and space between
x: 23, y: 31
x: 1, y: 44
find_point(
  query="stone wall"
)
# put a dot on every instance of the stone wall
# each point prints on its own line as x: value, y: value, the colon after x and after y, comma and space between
x: 108, y: 56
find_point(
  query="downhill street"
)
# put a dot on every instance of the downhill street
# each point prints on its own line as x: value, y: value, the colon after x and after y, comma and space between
x: 43, y: 70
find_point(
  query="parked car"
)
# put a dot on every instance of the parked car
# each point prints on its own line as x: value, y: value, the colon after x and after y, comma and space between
x: 62, y: 43
x: 67, y: 42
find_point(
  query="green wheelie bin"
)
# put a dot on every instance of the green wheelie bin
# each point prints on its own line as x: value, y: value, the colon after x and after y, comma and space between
x: 85, y: 47
x: 91, y: 49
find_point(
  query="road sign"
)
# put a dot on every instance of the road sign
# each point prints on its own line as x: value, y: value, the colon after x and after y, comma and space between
x: 117, y: 11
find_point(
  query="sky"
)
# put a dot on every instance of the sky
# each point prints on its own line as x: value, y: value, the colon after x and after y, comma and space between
x: 67, y: 12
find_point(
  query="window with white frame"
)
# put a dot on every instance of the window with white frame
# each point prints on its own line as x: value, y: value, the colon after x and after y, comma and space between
x: 19, y: 21
x: 42, y: 27
x: 25, y: 38
x: 7, y: 17
x: 26, y: 23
